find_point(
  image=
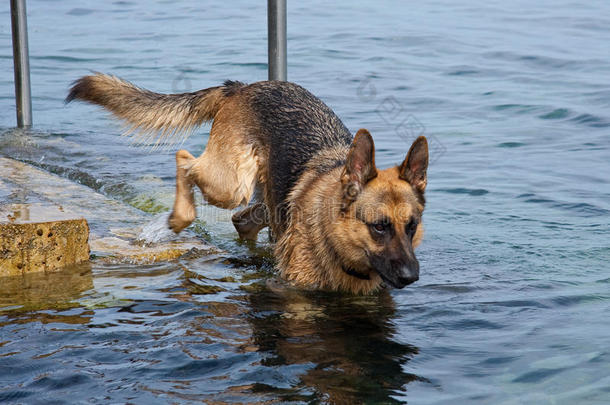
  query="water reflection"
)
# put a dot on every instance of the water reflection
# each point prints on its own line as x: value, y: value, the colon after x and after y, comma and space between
x: 345, y: 344
x: 191, y: 335
x: 37, y: 291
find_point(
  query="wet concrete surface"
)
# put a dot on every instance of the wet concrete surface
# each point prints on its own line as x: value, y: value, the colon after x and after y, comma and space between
x: 47, y: 222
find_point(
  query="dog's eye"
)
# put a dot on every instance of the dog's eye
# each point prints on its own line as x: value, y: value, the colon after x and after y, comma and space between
x: 380, y: 227
x: 411, y: 227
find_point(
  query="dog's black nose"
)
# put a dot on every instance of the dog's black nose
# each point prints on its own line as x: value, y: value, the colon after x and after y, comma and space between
x: 408, y: 273
x: 408, y: 279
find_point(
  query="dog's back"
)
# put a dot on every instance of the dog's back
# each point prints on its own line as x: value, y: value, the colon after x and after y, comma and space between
x: 295, y: 126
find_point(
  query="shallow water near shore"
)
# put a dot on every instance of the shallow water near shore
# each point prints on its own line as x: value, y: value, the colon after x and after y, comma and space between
x: 513, y: 301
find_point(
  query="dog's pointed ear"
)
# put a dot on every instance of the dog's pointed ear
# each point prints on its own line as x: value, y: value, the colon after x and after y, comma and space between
x: 415, y: 165
x: 359, y: 166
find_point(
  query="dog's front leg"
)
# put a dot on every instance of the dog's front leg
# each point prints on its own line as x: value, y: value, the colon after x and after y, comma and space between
x: 183, y: 213
x: 250, y: 221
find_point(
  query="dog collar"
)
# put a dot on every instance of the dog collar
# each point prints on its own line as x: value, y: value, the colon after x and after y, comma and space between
x: 356, y: 274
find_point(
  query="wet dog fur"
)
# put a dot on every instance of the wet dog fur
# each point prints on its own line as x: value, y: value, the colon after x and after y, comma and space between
x: 340, y: 223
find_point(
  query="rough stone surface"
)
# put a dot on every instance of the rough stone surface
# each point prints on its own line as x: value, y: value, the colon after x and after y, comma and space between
x: 35, y: 237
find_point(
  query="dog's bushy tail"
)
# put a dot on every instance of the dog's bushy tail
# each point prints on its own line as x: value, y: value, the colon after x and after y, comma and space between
x: 153, y: 118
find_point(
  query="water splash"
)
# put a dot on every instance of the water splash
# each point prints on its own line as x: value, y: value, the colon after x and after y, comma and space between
x: 157, y: 230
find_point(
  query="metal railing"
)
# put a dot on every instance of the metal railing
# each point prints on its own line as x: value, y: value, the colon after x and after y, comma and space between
x: 276, y: 37
x: 21, y: 62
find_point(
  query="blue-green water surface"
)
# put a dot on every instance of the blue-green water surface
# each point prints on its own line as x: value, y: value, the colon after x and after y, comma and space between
x: 513, y: 302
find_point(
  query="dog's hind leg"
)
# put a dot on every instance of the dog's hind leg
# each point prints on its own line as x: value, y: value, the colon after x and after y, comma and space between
x: 183, y: 213
x: 250, y: 221
x: 226, y: 172
x: 227, y: 176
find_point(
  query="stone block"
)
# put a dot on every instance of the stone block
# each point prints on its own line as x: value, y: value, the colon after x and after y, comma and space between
x: 39, y: 237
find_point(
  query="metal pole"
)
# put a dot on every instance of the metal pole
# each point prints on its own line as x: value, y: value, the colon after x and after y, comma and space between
x: 23, y: 96
x: 276, y: 35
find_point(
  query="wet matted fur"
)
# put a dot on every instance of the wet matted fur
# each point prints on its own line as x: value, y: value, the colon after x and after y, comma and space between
x: 340, y: 223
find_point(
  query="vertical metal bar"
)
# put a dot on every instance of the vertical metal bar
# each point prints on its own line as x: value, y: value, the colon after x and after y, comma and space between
x: 276, y: 35
x: 23, y: 95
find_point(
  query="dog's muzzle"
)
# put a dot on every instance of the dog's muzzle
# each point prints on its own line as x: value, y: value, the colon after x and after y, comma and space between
x: 397, y: 273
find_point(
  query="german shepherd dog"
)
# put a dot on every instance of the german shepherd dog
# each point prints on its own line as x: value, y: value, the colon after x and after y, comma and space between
x: 339, y: 222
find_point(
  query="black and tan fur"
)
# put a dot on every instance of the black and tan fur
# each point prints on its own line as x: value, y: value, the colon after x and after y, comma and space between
x: 340, y: 223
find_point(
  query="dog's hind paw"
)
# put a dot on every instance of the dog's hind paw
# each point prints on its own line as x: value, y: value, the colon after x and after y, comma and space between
x: 178, y: 222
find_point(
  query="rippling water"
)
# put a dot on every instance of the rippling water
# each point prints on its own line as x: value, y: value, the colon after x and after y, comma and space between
x: 513, y: 303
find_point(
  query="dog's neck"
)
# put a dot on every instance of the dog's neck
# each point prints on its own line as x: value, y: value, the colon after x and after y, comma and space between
x: 307, y: 252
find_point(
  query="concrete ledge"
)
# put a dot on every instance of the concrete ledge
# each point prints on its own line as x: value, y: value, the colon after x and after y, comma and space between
x: 36, y: 237
x: 59, y: 204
